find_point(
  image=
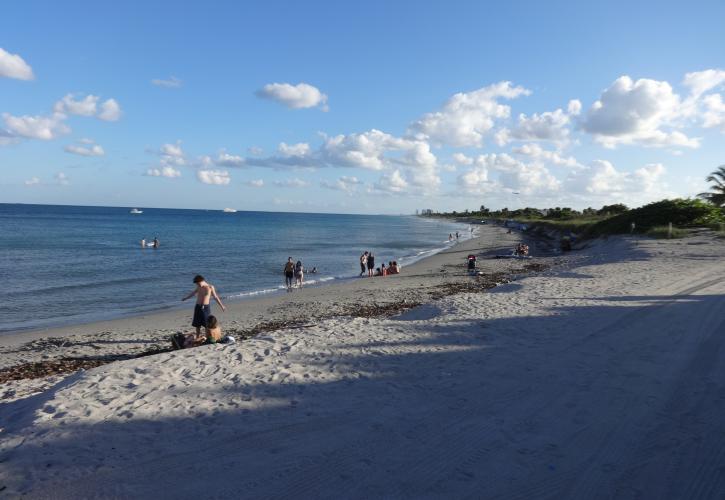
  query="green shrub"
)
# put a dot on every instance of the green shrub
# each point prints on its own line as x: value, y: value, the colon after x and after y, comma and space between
x: 680, y: 212
x: 661, y: 232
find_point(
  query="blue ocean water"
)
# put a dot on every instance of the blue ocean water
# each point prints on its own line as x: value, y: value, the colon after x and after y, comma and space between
x: 65, y: 265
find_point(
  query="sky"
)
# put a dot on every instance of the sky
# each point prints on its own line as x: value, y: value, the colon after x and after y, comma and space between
x: 376, y: 107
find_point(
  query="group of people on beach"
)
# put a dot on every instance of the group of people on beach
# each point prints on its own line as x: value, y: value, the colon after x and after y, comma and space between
x: 294, y: 274
x: 367, y: 266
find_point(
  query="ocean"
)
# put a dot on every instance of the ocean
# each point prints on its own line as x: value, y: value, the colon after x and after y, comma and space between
x: 64, y: 265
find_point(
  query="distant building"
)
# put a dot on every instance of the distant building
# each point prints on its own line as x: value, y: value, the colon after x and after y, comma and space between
x: 426, y: 211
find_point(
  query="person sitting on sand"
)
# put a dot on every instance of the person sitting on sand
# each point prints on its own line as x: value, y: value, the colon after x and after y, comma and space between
x: 396, y: 266
x: 377, y: 272
x: 383, y: 270
x: 213, y: 330
x: 202, y: 310
x: 391, y: 268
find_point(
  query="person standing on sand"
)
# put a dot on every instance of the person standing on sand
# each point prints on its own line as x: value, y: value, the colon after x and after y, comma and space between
x: 371, y: 263
x: 204, y: 293
x: 289, y: 273
x: 363, y: 263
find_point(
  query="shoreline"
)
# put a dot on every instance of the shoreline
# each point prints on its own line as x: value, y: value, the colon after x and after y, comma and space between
x: 65, y: 349
x: 231, y: 297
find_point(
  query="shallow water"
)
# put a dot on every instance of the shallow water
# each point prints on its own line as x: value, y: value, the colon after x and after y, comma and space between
x: 64, y: 264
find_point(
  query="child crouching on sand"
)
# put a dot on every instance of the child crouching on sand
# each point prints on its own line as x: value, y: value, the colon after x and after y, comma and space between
x: 213, y: 330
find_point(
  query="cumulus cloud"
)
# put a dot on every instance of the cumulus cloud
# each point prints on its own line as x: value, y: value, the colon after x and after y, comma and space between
x: 298, y: 96
x: 291, y: 183
x: 602, y: 180
x: 255, y: 151
x: 256, y: 183
x: 217, y: 177
x: 640, y: 112
x: 164, y: 171
x: 299, y: 149
x: 510, y: 174
x: 13, y: 66
x: 348, y: 184
x: 392, y: 182
x: 89, y: 148
x: 173, y: 150
x: 33, y: 181
x: 462, y: 159
x: 713, y: 112
x: 700, y: 82
x: 552, y: 126
x: 87, y: 106
x: 36, y: 127
x: 536, y: 152
x: 225, y: 159
x: 110, y: 111
x: 466, y: 118
x: 171, y: 82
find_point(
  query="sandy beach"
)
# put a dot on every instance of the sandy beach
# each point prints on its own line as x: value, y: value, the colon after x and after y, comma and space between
x: 597, y: 374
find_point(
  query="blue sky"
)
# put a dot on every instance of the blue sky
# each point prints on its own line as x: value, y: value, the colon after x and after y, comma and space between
x: 383, y: 107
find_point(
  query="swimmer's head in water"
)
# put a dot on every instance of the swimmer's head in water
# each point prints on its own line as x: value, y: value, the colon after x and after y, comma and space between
x: 198, y: 278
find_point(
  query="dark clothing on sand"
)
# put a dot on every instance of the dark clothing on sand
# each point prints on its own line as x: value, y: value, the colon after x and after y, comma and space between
x: 201, y: 315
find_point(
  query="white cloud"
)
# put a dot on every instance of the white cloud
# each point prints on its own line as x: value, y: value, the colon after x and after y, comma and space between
x: 217, y: 177
x: 713, y: 112
x: 165, y: 171
x: 466, y: 118
x: 291, y: 183
x: 171, y: 82
x: 574, y: 108
x: 462, y: 159
x: 536, y: 152
x: 13, y: 66
x: 173, y: 150
x: 700, y: 82
x: 87, y: 106
x: 642, y: 112
x: 552, y: 126
x: 256, y: 183
x: 110, y: 111
x: 600, y: 179
x: 62, y: 179
x: 510, y: 174
x: 36, y: 127
x: 344, y: 183
x: 299, y: 149
x: 90, y: 149
x: 297, y: 96
x: 392, y: 183
x: 224, y: 159
x: 255, y: 151
x: 33, y: 181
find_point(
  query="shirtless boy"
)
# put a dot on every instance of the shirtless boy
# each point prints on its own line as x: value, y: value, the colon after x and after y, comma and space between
x: 204, y: 293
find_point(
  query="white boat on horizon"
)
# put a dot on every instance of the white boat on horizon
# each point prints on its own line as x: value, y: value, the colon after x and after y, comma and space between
x: 136, y: 211
x: 229, y: 211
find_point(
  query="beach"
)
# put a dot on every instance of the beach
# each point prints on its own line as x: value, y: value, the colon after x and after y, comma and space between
x: 594, y: 374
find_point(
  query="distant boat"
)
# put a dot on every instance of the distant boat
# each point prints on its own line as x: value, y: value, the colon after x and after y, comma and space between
x: 136, y: 211
x: 229, y: 211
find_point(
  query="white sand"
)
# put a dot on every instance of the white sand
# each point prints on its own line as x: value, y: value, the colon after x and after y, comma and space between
x: 601, y: 378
